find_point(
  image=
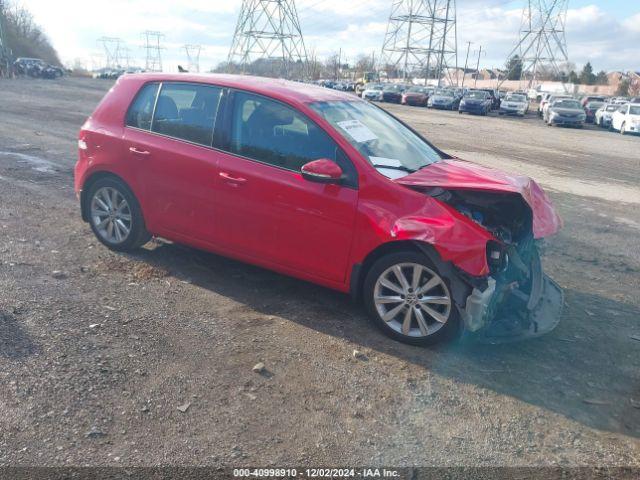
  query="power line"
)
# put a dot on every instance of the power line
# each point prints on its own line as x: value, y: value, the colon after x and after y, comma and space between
x: 421, y: 38
x: 543, y: 43
x: 152, y: 44
x: 112, y: 48
x: 268, y: 30
x: 193, y: 57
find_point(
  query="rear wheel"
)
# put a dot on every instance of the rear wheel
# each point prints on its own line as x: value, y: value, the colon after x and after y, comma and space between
x: 115, y: 215
x: 409, y: 300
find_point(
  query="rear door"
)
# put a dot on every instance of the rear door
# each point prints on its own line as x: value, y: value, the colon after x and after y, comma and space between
x: 266, y: 209
x: 174, y: 160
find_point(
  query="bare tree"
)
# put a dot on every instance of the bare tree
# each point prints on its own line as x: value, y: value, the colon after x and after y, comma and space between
x: 24, y: 36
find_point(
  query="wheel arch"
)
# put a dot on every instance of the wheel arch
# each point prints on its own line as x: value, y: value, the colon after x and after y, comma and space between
x: 359, y: 271
x: 461, y: 284
x: 86, y: 186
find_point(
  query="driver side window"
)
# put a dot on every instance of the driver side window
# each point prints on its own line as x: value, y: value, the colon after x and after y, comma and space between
x: 273, y: 133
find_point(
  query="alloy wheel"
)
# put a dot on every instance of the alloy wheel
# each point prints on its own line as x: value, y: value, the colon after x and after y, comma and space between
x: 412, y: 299
x: 111, y: 215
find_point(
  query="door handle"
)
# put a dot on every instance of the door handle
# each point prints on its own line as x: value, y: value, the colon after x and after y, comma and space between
x: 229, y: 178
x: 138, y: 152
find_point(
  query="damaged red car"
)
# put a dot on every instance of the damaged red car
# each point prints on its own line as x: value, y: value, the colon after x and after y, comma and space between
x: 320, y: 185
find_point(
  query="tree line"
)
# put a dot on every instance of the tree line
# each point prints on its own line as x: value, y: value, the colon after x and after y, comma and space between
x: 23, y: 36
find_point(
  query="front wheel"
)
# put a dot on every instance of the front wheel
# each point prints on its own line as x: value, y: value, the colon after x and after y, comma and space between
x: 408, y: 299
x: 115, y: 215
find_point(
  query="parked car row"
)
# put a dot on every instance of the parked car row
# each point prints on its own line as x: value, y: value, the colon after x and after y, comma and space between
x: 115, y: 73
x: 36, y: 68
x: 616, y: 113
x: 342, y: 85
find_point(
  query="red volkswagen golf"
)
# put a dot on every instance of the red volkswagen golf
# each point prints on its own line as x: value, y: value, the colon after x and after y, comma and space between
x: 322, y: 186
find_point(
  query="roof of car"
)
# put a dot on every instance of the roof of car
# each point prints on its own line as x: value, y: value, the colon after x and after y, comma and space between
x: 272, y: 87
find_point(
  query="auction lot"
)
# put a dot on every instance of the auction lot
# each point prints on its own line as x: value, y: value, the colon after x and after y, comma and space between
x: 146, y: 359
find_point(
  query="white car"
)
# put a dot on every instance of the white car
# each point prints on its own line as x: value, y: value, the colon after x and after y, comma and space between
x: 619, y: 100
x: 514, y: 104
x: 626, y: 119
x: 373, y: 92
x: 604, y: 115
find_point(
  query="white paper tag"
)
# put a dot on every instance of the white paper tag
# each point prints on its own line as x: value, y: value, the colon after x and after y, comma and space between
x: 357, y: 130
x: 385, y: 162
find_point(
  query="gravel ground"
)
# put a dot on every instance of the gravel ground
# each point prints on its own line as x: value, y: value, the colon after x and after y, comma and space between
x: 146, y: 359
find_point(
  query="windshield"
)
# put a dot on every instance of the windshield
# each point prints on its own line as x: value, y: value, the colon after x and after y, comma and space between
x: 417, y: 90
x: 612, y: 108
x: 634, y: 110
x: 567, y: 104
x: 594, y: 105
x: 388, y: 145
x: 392, y: 88
x: 374, y: 87
x: 478, y: 95
x: 516, y: 98
x: 444, y: 93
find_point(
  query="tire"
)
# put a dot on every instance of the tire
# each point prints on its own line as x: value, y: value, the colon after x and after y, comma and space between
x: 132, y: 221
x: 445, y: 328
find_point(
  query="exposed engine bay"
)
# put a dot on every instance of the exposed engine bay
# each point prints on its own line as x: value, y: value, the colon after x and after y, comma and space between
x: 516, y: 300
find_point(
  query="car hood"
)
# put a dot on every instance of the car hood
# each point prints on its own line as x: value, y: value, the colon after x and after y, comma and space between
x: 458, y: 174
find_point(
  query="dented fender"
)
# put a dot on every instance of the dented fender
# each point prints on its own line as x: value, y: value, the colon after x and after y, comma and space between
x: 455, y: 238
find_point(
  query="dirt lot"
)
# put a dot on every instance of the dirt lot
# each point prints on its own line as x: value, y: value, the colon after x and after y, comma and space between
x: 97, y: 350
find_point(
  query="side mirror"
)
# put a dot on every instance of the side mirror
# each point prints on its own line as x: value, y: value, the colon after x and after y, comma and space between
x: 322, y: 171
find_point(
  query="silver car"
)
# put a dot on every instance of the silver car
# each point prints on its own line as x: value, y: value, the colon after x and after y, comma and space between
x: 565, y: 111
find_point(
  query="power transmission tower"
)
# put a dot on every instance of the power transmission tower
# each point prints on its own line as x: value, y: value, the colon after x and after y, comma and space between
x: 193, y: 57
x: 269, y: 30
x: 152, y: 45
x: 112, y: 51
x: 124, y: 57
x: 543, y: 42
x: 421, y: 38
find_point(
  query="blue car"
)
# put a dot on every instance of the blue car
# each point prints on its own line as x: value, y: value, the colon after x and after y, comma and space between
x: 476, y: 101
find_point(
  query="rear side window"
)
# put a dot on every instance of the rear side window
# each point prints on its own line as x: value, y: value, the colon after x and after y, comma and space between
x: 187, y: 112
x: 141, y: 110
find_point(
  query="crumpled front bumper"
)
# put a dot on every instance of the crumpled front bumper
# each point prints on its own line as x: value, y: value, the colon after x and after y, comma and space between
x: 529, y: 321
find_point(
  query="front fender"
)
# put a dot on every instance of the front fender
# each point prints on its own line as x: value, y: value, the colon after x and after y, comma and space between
x: 454, y: 237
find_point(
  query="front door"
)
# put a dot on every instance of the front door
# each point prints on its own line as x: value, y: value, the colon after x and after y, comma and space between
x: 266, y: 209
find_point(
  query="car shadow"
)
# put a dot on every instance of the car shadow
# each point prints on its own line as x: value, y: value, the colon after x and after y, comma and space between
x: 15, y: 341
x: 582, y: 370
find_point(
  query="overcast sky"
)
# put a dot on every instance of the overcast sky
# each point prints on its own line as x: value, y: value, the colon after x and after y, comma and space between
x: 605, y: 32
